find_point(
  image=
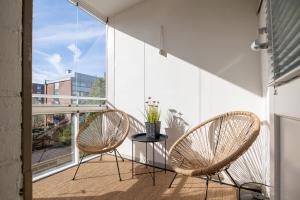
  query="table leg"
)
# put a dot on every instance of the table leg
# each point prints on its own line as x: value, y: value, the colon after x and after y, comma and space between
x: 153, y: 165
x: 146, y: 155
x: 132, y: 158
x: 165, y: 156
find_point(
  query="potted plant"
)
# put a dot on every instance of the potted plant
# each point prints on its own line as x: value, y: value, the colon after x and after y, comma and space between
x: 152, y: 115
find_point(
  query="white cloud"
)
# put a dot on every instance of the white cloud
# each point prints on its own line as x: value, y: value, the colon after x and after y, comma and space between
x: 92, y: 62
x: 67, y: 33
x: 55, y: 61
x: 76, y: 52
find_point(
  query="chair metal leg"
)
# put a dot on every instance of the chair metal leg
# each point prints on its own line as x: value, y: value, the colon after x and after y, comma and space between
x: 220, y: 181
x: 146, y: 155
x: 120, y: 155
x: 165, y: 156
x: 153, y: 164
x: 117, y: 165
x: 175, y: 175
x: 172, y: 180
x: 42, y: 155
x: 78, y: 166
x: 132, y: 172
x: 206, y: 188
x: 235, y: 183
x: 231, y: 178
x: 100, y: 156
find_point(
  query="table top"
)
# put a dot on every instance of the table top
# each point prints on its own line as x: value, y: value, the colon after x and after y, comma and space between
x: 141, y: 137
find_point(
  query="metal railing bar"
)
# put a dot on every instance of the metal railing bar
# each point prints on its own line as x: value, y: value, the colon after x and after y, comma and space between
x: 66, y: 97
x: 43, y: 110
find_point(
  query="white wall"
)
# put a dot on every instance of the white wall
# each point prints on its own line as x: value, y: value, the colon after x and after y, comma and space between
x: 289, y: 161
x: 10, y: 100
x: 209, y: 68
x: 283, y: 115
x: 285, y: 108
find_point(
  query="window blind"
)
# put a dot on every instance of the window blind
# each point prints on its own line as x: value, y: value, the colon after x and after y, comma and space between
x: 283, y: 22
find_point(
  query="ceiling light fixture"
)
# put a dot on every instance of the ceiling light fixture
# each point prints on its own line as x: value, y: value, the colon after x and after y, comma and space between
x: 161, y: 42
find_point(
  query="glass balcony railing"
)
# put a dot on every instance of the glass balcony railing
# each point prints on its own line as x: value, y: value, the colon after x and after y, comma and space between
x: 42, y: 99
x: 52, y: 138
x: 54, y: 131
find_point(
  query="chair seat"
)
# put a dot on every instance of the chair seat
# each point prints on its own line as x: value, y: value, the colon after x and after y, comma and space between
x: 103, y: 132
x: 213, y: 145
x: 210, y: 148
x: 95, y: 149
x: 199, y: 170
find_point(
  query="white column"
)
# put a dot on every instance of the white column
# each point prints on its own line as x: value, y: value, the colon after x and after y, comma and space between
x: 75, y: 129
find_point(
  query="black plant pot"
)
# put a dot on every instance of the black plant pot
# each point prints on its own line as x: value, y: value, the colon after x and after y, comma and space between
x: 157, y: 128
x: 150, y: 130
x: 153, y: 129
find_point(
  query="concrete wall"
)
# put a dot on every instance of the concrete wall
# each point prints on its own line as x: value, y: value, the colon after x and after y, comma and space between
x: 10, y: 99
x: 209, y: 68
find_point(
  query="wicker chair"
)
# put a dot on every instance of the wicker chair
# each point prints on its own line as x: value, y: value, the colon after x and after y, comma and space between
x: 103, y: 132
x: 210, y: 148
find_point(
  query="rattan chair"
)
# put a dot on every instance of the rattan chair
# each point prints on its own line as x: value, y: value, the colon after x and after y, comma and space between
x: 103, y: 132
x: 210, y: 148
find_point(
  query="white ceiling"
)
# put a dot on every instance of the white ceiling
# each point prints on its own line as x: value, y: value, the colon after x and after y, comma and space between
x: 105, y: 8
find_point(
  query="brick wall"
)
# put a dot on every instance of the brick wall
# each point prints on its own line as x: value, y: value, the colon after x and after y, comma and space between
x: 65, y: 89
x: 49, y: 90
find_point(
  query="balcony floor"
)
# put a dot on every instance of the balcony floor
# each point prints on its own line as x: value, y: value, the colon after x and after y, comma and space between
x: 98, y: 180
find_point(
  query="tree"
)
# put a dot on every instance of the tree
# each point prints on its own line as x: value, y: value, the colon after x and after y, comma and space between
x: 38, y: 121
x: 98, y: 88
x: 65, y: 135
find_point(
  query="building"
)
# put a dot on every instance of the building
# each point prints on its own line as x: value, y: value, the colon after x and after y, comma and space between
x: 38, y: 88
x: 74, y: 84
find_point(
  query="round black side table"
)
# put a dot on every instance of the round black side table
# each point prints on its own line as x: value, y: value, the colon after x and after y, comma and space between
x: 141, y: 137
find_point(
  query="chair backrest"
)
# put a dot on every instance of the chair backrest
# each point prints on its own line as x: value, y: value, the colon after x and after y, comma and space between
x: 103, y: 131
x: 217, y: 142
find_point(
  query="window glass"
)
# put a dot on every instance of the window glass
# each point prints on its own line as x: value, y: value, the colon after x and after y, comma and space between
x: 68, y: 57
x: 68, y: 61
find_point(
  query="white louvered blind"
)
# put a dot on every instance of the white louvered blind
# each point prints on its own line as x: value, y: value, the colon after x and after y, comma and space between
x: 284, y: 36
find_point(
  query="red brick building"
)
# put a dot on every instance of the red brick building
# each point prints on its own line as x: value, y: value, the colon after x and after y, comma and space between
x: 72, y: 84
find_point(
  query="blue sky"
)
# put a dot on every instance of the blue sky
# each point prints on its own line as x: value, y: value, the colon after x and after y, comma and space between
x: 60, y: 44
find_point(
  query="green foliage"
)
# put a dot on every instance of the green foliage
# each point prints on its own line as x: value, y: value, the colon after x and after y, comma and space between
x: 152, y: 111
x: 65, y: 136
x: 98, y: 88
x: 38, y: 121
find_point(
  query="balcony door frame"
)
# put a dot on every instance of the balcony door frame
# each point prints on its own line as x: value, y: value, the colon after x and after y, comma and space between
x: 26, y: 190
